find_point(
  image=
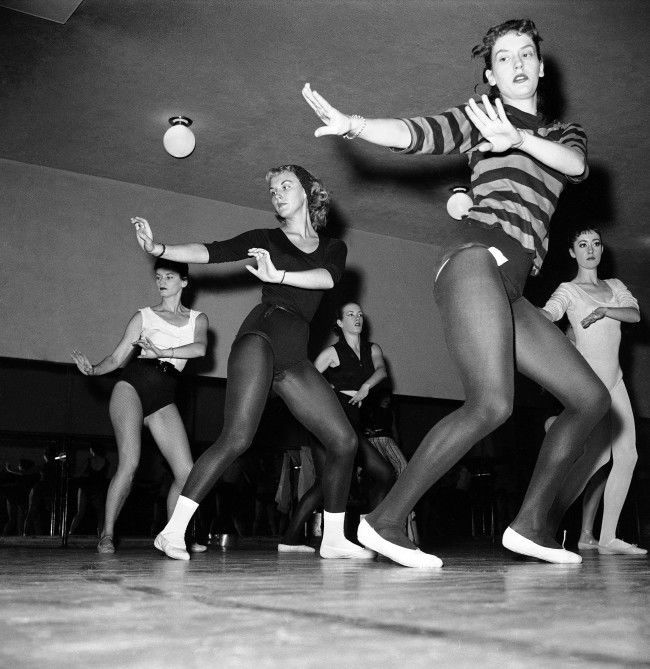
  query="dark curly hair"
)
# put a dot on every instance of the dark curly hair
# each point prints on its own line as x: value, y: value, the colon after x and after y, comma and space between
x: 318, y: 199
x: 179, y: 267
x: 484, y: 49
x: 577, y: 230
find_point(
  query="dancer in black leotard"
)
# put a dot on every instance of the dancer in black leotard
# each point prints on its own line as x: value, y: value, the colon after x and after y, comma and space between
x: 296, y: 265
x: 520, y: 163
x: 353, y: 366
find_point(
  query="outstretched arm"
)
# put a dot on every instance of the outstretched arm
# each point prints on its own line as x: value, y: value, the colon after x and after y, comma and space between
x: 190, y: 253
x: 118, y: 357
x: 389, y: 132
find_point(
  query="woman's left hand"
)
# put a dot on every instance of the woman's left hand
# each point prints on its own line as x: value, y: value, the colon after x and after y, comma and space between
x: 147, y: 348
x: 594, y: 316
x: 494, y: 126
x: 265, y: 270
x: 361, y: 395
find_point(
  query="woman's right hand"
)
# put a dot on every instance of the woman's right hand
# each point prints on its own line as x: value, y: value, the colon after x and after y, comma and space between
x: 82, y: 362
x: 335, y: 122
x: 143, y: 233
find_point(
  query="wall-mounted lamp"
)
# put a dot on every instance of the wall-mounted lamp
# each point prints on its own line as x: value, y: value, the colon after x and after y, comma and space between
x: 459, y: 203
x: 179, y: 140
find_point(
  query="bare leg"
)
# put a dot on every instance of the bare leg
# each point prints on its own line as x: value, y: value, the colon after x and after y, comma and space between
x: 126, y: 416
x: 81, y: 511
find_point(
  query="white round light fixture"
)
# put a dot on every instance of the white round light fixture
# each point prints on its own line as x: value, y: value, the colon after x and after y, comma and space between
x: 179, y: 140
x: 459, y: 203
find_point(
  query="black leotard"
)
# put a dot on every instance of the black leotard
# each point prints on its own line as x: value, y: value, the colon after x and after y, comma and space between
x: 284, y: 315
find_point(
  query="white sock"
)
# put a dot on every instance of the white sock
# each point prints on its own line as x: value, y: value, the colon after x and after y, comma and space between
x: 333, y: 524
x: 174, y: 531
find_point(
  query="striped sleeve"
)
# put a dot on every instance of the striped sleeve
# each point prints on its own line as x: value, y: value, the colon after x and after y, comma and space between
x: 574, y: 136
x: 558, y: 304
x: 449, y: 132
x: 622, y: 295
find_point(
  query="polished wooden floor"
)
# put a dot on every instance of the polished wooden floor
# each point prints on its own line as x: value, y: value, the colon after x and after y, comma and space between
x: 252, y: 607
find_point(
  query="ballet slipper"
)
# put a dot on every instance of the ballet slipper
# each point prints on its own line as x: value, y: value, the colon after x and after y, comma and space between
x: 295, y: 548
x: 198, y: 548
x: 517, y: 543
x: 407, y: 557
x: 170, y: 550
x: 620, y: 547
x: 346, y: 551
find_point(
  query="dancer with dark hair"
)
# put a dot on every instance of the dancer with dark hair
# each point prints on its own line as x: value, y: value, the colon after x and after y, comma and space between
x: 520, y: 163
x: 167, y: 336
x: 353, y: 366
x: 596, y: 308
x: 296, y: 265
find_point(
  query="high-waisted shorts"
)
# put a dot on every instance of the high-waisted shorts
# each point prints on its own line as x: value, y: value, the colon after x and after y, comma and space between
x: 285, y: 331
x: 154, y: 381
x: 513, y: 260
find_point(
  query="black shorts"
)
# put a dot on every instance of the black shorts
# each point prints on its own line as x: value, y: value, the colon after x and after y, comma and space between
x: 154, y: 381
x: 285, y: 331
x: 514, y: 272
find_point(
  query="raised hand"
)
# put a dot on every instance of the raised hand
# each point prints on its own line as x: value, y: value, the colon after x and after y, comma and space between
x: 84, y: 365
x: 147, y: 348
x: 594, y: 316
x: 143, y: 233
x: 335, y: 122
x: 493, y: 124
x: 265, y: 270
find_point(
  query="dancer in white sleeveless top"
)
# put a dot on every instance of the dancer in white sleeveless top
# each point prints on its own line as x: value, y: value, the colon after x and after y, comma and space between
x: 166, y: 336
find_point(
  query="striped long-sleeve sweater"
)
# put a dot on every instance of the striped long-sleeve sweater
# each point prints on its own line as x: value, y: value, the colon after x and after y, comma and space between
x: 511, y: 189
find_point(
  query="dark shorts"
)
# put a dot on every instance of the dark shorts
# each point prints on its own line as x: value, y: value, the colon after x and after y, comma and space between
x: 154, y: 381
x: 286, y: 332
x: 352, y: 411
x: 514, y: 272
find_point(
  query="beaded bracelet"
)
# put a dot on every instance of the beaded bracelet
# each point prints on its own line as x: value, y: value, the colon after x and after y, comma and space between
x: 353, y: 135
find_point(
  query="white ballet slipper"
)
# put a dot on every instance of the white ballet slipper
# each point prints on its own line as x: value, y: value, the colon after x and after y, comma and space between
x: 198, y: 548
x: 348, y: 551
x: 620, y: 547
x: 170, y: 550
x: 516, y: 543
x: 407, y: 557
x: 295, y: 548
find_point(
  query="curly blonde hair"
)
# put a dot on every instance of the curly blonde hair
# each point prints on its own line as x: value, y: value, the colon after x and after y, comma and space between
x: 318, y: 199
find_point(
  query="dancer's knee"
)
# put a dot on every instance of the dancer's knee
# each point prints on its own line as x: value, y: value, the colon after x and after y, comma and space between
x: 491, y: 412
x: 344, y: 445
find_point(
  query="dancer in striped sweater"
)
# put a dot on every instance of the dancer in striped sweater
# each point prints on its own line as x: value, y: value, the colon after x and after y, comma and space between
x: 520, y: 164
